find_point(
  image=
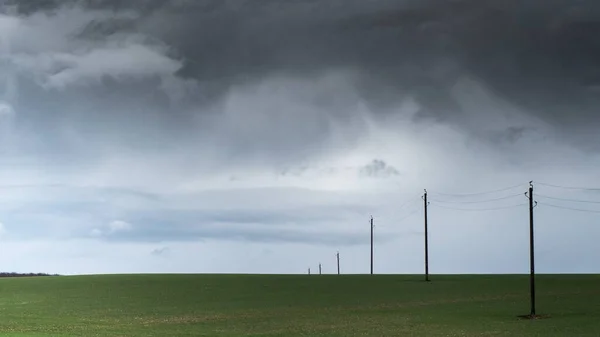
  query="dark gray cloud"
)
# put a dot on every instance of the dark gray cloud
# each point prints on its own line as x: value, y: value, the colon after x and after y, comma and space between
x: 379, y: 169
x: 163, y: 251
x: 541, y: 56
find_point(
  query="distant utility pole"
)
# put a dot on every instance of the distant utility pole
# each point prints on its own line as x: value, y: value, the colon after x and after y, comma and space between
x: 425, y: 203
x: 371, y: 245
x: 338, y: 262
x: 531, y: 251
x: 308, y: 271
x: 319, y: 268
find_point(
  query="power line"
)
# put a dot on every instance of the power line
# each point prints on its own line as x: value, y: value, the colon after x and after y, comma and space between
x: 569, y: 187
x: 481, y: 193
x: 481, y: 209
x: 570, y: 208
x: 478, y: 201
x: 408, y: 202
x: 409, y: 215
x: 572, y: 200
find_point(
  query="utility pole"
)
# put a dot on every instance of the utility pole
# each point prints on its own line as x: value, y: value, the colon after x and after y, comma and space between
x: 308, y: 271
x: 338, y: 262
x: 319, y: 268
x: 531, y: 251
x: 425, y: 204
x: 371, y: 245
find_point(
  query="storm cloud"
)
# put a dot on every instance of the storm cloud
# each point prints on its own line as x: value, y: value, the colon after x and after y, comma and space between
x: 540, y: 58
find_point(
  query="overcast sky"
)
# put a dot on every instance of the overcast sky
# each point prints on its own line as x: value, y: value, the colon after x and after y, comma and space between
x: 260, y: 136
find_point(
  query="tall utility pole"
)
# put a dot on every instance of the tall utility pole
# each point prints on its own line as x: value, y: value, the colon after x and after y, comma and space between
x: 319, y: 268
x: 338, y: 262
x: 531, y: 251
x: 371, y: 245
x: 425, y: 204
x: 308, y: 271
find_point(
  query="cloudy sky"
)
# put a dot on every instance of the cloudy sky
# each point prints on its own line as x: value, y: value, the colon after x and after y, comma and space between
x: 260, y: 136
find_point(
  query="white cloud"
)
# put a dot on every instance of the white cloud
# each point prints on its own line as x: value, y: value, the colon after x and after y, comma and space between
x: 45, y: 32
x: 112, y: 228
x: 119, y: 226
x: 43, y: 46
x: 96, y: 232
x: 3, y: 230
x: 120, y: 63
x: 6, y: 111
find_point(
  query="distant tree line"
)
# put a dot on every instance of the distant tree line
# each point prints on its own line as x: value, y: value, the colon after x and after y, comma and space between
x: 4, y: 274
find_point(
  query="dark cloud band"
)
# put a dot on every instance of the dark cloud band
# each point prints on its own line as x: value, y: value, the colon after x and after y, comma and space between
x: 541, y: 56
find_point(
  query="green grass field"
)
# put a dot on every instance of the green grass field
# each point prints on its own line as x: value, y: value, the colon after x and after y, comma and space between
x: 299, y: 305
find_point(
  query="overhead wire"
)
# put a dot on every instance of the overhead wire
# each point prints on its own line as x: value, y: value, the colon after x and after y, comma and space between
x: 409, y: 215
x: 408, y: 202
x: 478, y: 201
x: 570, y: 208
x: 567, y: 199
x: 596, y: 189
x: 481, y: 209
x: 479, y: 193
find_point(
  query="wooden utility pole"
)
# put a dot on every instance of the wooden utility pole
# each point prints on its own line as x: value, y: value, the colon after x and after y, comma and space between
x: 319, y: 268
x: 531, y: 251
x: 371, y: 245
x: 425, y: 203
x: 308, y: 271
x: 338, y: 262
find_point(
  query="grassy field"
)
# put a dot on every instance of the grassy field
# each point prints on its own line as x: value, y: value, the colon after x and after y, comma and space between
x: 301, y: 305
